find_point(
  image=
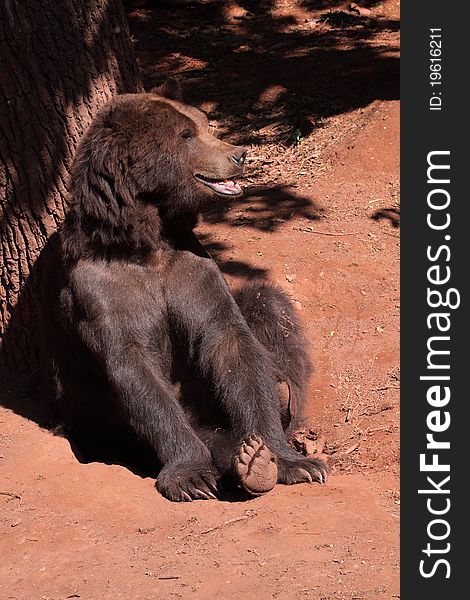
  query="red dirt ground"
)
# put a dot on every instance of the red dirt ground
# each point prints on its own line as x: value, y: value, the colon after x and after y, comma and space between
x: 320, y: 217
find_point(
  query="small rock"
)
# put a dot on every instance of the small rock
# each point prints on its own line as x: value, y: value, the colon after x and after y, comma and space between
x: 359, y: 10
x: 234, y: 11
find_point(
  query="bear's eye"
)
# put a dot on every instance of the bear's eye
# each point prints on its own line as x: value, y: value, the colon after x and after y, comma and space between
x: 186, y: 134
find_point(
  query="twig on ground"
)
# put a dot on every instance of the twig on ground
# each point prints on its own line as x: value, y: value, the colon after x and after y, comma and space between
x: 389, y: 386
x: 227, y: 523
x: 350, y: 449
x: 11, y: 495
x: 381, y: 428
x: 335, y: 234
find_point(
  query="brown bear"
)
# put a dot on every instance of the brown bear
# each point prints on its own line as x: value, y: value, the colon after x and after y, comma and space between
x: 145, y: 339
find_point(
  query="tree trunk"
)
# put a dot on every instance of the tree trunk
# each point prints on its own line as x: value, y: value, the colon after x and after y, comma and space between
x: 61, y: 61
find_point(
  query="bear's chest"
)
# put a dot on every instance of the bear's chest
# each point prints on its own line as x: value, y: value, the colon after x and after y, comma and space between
x: 128, y: 294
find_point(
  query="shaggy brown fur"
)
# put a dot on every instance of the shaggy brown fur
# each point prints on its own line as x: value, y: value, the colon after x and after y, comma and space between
x: 146, y: 340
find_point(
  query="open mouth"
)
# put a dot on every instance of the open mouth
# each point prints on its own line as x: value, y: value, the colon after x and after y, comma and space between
x: 226, y: 187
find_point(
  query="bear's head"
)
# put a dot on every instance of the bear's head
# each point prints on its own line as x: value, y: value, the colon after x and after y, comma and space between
x: 146, y: 160
x: 154, y: 146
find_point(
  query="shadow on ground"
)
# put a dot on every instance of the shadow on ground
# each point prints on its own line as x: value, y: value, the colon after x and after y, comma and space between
x: 390, y: 214
x: 253, y: 64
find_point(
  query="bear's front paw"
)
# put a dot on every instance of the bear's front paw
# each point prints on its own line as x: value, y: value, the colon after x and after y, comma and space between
x: 188, y: 481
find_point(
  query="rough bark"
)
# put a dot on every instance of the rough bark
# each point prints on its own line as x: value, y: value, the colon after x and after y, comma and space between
x: 61, y: 61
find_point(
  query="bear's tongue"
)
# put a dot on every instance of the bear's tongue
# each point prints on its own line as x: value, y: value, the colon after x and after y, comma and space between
x: 225, y: 187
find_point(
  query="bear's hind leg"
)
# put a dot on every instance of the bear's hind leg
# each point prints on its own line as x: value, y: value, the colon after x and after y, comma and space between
x: 271, y: 316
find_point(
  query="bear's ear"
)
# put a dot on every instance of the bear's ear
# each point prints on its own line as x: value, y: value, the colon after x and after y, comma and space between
x: 171, y: 89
